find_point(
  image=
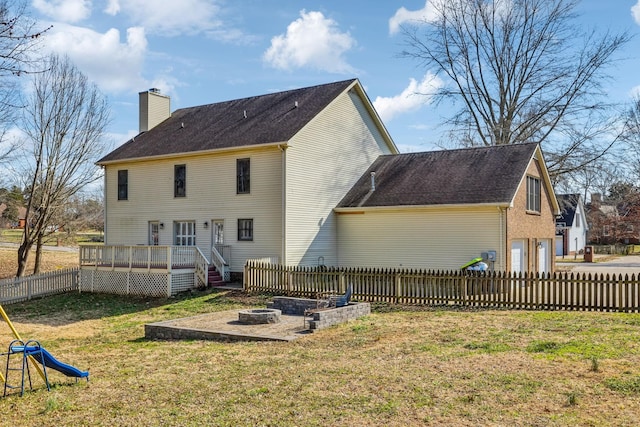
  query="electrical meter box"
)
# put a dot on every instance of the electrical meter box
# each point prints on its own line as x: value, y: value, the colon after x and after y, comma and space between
x: 489, y: 256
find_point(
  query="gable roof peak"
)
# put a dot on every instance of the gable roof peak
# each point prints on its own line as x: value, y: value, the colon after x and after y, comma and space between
x: 256, y: 120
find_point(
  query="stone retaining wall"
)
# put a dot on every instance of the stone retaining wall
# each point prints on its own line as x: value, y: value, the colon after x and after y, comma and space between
x: 320, y: 317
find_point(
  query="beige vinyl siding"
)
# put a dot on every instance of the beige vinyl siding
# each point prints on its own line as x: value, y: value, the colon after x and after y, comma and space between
x: 154, y: 108
x: 210, y: 194
x: 323, y: 162
x: 441, y: 239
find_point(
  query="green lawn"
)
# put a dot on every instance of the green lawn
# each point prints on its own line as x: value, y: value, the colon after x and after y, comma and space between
x: 399, y: 366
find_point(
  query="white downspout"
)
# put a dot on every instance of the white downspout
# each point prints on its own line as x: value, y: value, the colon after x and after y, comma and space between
x: 283, y: 208
x: 503, y: 239
x: 104, y: 213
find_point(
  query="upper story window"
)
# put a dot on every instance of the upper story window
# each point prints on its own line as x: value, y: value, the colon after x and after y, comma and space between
x: 243, y: 176
x: 123, y: 184
x: 179, y: 181
x: 577, y: 221
x: 533, y: 194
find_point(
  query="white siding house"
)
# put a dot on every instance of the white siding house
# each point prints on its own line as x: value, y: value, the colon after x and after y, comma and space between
x: 571, y: 225
x: 255, y: 177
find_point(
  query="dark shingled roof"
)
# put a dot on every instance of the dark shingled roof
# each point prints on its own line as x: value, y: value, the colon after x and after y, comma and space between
x: 270, y: 118
x: 466, y: 176
x: 568, y: 204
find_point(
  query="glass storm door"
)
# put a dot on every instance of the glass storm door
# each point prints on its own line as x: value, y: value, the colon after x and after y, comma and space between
x: 218, y: 232
x: 154, y: 233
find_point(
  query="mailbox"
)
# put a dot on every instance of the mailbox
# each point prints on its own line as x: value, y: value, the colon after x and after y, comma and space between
x: 588, y: 254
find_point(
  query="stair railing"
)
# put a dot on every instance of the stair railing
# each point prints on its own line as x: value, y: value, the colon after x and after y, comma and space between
x: 221, y: 265
x: 201, y: 265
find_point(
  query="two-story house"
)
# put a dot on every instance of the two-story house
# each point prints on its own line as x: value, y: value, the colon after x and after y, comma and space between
x: 257, y: 177
x: 311, y: 177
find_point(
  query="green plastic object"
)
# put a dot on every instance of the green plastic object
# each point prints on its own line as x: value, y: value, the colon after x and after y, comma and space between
x: 470, y: 263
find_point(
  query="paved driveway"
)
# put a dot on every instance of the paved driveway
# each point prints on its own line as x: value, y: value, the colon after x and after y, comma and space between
x: 629, y: 264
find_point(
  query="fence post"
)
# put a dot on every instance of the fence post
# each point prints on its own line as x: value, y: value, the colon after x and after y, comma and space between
x: 398, y: 285
x: 245, y: 277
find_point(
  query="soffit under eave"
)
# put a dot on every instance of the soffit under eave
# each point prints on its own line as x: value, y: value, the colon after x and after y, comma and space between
x: 466, y: 206
x: 242, y: 148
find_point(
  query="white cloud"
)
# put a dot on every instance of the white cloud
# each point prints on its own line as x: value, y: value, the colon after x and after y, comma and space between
x: 427, y: 14
x: 412, y: 97
x: 113, y: 7
x: 635, y: 11
x: 169, y: 17
x: 311, y: 41
x: 69, y: 11
x: 113, y: 64
x: 635, y: 92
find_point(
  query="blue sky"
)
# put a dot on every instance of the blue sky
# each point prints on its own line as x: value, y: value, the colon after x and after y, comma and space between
x: 206, y: 51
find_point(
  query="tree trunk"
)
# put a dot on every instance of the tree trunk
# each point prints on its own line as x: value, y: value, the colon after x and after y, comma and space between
x: 36, y: 266
x: 23, y: 256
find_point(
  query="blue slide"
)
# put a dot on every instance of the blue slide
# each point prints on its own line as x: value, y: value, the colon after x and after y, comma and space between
x: 46, y: 359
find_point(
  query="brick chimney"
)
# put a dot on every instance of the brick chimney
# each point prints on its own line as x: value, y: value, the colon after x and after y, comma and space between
x: 596, y: 200
x: 154, y: 108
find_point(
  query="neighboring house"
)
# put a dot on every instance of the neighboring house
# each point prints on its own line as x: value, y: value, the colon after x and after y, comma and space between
x: 571, y: 225
x: 611, y: 224
x: 257, y: 177
x: 440, y: 209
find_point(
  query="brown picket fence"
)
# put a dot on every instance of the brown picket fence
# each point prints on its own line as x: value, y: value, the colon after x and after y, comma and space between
x: 558, y: 291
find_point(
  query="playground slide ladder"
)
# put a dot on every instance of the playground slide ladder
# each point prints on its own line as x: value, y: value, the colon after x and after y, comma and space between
x: 21, y: 353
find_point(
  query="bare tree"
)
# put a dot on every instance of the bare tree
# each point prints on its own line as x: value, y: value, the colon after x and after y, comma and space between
x: 523, y: 72
x: 65, y: 120
x: 19, y: 42
x: 631, y: 135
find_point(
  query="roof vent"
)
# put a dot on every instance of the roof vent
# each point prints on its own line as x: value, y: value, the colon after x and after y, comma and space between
x: 295, y: 104
x: 373, y: 181
x: 245, y: 114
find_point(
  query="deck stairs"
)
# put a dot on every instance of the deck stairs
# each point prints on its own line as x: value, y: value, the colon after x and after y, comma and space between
x: 215, y: 279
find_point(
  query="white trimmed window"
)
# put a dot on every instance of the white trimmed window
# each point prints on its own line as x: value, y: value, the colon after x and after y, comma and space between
x: 245, y: 229
x: 184, y: 233
x: 533, y: 194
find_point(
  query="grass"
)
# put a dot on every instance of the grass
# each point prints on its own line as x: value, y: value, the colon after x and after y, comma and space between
x: 399, y: 366
x: 58, y: 238
x: 50, y: 261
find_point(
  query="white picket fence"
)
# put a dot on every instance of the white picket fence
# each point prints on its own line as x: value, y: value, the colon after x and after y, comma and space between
x: 25, y: 288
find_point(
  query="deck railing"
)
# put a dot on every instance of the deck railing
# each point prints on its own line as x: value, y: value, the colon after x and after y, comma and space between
x: 138, y: 257
x: 560, y: 291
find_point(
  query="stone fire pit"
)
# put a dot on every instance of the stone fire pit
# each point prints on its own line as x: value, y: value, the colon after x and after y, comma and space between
x: 259, y: 316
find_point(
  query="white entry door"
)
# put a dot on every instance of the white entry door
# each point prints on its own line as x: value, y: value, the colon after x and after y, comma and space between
x: 543, y: 256
x: 518, y: 256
